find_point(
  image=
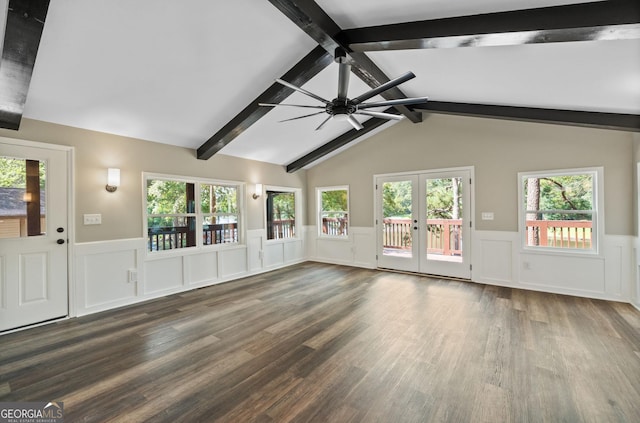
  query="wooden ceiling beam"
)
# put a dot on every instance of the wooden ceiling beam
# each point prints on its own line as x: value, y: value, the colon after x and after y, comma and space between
x: 616, y: 121
x: 300, y: 74
x: 611, y: 19
x: 23, y: 31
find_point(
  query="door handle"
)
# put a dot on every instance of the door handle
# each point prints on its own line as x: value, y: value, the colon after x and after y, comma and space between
x: 60, y: 241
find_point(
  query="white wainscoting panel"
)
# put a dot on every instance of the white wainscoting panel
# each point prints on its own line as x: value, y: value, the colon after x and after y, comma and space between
x: 232, y: 262
x: 255, y: 239
x: 494, y: 257
x: 164, y: 275
x: 358, y: 250
x: 102, y: 274
x: 201, y: 269
x: 273, y: 254
x: 499, y: 260
x: 293, y: 251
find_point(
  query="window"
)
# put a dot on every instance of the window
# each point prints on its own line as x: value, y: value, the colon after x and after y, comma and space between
x: 333, y: 212
x: 177, y: 210
x: 22, y: 197
x: 559, y: 210
x: 281, y: 213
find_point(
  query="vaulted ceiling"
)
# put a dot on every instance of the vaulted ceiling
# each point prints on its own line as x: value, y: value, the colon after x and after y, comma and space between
x: 192, y: 73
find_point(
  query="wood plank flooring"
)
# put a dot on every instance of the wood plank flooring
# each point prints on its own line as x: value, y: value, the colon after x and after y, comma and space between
x: 324, y: 343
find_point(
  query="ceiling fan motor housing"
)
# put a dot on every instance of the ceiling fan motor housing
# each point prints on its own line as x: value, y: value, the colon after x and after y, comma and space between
x: 340, y: 107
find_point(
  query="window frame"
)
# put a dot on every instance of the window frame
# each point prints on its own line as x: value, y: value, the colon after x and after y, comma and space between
x: 199, y: 215
x: 297, y: 192
x: 597, y: 211
x: 319, y: 211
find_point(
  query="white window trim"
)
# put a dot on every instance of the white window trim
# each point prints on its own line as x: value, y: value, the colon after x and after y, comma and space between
x: 319, y: 191
x: 597, y: 219
x: 199, y: 247
x: 298, y: 210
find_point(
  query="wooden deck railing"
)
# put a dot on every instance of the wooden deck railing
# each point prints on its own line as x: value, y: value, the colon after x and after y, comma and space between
x: 559, y: 233
x: 281, y: 229
x: 444, y: 236
x: 172, y: 237
x: 334, y: 226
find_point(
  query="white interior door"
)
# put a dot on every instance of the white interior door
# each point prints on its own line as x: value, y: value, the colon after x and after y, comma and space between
x: 33, y: 235
x: 423, y: 223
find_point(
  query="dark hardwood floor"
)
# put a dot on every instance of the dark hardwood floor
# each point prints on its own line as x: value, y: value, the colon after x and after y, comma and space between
x: 325, y: 343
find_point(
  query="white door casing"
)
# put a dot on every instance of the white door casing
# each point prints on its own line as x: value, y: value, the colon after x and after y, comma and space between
x: 422, y: 247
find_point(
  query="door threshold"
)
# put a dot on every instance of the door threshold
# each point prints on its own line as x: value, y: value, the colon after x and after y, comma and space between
x: 34, y: 325
x: 428, y: 275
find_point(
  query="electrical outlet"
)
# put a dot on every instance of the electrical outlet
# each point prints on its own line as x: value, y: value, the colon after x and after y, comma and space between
x: 92, y: 219
x: 133, y: 275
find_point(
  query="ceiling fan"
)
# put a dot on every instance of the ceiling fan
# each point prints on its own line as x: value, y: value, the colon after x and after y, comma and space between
x: 343, y: 108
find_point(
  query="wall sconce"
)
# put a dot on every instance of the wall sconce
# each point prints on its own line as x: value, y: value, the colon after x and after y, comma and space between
x: 27, y: 197
x: 258, y: 192
x: 113, y: 179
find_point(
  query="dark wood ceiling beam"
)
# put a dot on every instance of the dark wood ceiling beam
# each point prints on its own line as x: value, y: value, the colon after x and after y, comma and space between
x: 339, y: 142
x: 300, y: 74
x: 616, y: 121
x: 23, y: 31
x: 574, y: 22
x: 314, y: 21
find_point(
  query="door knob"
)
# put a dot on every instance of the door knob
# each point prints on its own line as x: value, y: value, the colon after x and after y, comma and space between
x: 60, y: 241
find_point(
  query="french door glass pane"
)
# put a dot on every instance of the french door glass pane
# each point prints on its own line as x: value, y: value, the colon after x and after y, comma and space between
x: 396, y: 219
x: 444, y: 219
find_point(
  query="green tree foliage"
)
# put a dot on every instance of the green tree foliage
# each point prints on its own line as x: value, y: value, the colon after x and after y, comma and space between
x: 396, y: 199
x: 334, y: 200
x: 166, y: 197
x: 218, y: 199
x: 443, y: 197
x: 284, y: 205
x: 565, y: 192
x: 13, y: 173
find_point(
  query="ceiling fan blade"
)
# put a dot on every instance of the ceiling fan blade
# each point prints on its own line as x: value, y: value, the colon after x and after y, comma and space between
x: 343, y: 80
x: 384, y: 87
x: 380, y: 115
x: 398, y: 102
x: 323, y: 122
x: 303, y: 91
x: 354, y: 122
x: 290, y: 105
x: 301, y: 117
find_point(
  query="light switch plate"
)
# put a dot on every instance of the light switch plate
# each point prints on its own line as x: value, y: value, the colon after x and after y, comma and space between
x: 487, y: 215
x: 92, y: 219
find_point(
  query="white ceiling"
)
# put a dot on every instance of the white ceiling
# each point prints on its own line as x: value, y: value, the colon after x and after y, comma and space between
x: 177, y: 72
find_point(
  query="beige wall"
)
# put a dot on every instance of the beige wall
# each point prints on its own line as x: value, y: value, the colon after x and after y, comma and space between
x: 498, y: 149
x: 122, y: 211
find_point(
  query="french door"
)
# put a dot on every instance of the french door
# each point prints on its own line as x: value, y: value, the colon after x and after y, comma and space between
x: 33, y: 235
x: 422, y: 222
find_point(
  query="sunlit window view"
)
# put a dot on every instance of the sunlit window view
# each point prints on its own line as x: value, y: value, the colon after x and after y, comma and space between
x: 172, y: 214
x: 559, y: 211
x: 22, y: 198
x: 334, y: 212
x: 281, y: 215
